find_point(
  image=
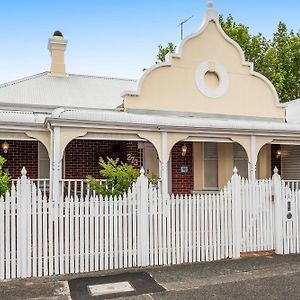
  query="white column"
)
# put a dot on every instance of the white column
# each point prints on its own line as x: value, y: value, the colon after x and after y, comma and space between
x: 56, y: 170
x: 164, y: 165
x: 252, y: 158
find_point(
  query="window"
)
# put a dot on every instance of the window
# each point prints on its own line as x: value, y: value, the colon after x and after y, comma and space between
x: 240, y: 160
x: 210, y: 166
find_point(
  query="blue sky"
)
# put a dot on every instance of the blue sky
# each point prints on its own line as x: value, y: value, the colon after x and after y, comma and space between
x: 115, y: 38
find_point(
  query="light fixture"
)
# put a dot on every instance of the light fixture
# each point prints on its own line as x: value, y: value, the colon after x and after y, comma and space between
x: 278, y: 153
x: 5, y: 146
x: 183, y: 150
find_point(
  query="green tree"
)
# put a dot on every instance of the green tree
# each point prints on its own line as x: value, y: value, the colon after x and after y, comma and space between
x: 254, y: 46
x: 163, y: 51
x: 278, y: 59
x: 119, y: 177
x: 5, y: 178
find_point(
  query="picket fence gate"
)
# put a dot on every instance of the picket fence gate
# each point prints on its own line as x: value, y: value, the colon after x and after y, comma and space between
x: 86, y: 233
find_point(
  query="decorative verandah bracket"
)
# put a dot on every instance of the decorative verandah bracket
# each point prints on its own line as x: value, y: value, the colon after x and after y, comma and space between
x: 277, y: 193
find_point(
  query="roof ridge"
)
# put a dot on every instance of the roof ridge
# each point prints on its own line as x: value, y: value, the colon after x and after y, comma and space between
x: 102, y: 77
x: 9, y: 83
x: 13, y: 82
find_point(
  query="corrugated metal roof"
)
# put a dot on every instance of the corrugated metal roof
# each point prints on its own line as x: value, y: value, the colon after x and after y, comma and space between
x: 78, y: 91
x: 174, y: 121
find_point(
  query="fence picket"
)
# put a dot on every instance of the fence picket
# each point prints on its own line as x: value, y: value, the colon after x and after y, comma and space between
x: 134, y: 231
x: 76, y: 235
x: 194, y: 216
x: 87, y: 217
x: 67, y: 237
x: 106, y: 238
x: 202, y: 228
x: 7, y: 235
x: 120, y: 232
x: 2, y: 239
x: 45, y: 235
x: 198, y: 229
x: 218, y: 231
x: 99, y: 247
x: 72, y: 234
x: 222, y: 225
x: 13, y: 233
x: 177, y: 224
x: 168, y: 229
x: 129, y: 201
x: 40, y: 234
x: 61, y: 236
x: 91, y: 254
x: 81, y: 232
x: 206, y: 227
x: 173, y: 230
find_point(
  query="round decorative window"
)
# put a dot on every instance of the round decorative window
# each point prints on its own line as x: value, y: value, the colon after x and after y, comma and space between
x: 212, y: 79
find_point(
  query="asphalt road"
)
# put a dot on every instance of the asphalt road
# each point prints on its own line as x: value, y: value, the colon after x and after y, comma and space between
x: 271, y: 277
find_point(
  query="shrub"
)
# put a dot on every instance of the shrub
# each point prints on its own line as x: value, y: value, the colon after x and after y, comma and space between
x: 119, y: 177
x: 5, y: 178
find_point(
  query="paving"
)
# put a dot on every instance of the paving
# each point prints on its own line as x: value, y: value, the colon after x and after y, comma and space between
x: 268, y: 277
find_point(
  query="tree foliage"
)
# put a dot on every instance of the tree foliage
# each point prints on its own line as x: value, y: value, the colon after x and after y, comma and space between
x: 5, y: 178
x: 278, y: 59
x: 163, y: 51
x: 119, y: 177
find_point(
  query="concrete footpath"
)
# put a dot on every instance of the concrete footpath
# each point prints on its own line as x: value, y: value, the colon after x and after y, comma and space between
x: 268, y: 277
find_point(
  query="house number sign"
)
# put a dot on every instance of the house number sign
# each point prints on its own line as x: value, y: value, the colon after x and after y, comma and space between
x: 131, y: 159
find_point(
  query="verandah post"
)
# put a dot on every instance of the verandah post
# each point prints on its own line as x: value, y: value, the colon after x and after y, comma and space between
x: 164, y: 166
x: 143, y: 200
x: 23, y: 201
x: 55, y: 165
x: 276, y: 184
x: 236, y: 213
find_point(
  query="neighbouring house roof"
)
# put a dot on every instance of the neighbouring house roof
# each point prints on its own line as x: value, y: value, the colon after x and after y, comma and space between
x: 292, y: 111
x: 80, y: 91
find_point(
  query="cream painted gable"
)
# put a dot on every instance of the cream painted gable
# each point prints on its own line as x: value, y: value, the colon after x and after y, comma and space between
x: 181, y: 86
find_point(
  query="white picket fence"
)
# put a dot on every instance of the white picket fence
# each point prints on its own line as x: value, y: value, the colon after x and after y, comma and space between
x: 85, y: 233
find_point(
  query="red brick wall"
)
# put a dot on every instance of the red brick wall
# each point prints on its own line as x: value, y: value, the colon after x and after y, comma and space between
x: 182, y: 183
x: 21, y: 153
x: 82, y: 156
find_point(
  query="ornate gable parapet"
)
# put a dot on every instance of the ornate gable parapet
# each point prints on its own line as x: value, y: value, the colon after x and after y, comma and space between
x: 207, y: 75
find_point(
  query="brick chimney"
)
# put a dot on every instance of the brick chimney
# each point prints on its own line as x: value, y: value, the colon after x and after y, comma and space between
x: 57, y: 46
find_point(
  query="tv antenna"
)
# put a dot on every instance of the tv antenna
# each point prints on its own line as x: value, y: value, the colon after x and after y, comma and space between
x: 181, y: 26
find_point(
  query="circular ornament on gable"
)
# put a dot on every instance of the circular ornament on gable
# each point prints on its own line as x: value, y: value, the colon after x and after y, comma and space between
x: 212, y: 82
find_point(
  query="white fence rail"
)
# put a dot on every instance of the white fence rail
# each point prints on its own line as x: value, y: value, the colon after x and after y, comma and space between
x: 77, y: 187
x: 41, y: 184
x: 83, y: 232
